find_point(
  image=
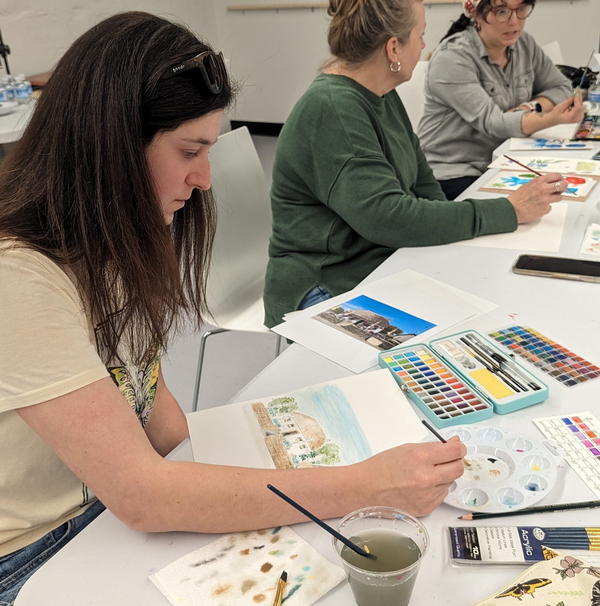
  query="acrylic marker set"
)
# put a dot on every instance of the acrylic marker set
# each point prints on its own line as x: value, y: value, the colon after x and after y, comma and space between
x: 547, y: 355
x: 462, y: 378
x: 518, y: 544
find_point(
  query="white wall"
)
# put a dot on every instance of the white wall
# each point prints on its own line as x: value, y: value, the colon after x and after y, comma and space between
x: 274, y: 55
x: 39, y: 31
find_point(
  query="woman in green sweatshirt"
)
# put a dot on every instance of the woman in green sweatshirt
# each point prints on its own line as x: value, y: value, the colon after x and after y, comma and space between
x: 350, y: 182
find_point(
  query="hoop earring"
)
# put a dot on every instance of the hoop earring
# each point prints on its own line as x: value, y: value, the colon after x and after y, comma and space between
x: 395, y: 66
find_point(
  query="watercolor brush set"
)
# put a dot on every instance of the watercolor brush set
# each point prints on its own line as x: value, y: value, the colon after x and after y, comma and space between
x: 518, y: 544
x: 462, y: 378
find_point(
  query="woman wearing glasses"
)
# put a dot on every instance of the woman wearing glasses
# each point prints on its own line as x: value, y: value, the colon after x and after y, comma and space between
x: 488, y: 80
x: 106, y: 224
x: 350, y: 181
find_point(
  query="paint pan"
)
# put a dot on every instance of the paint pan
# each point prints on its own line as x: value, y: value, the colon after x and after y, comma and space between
x: 578, y: 437
x: 547, y: 355
x: 462, y: 378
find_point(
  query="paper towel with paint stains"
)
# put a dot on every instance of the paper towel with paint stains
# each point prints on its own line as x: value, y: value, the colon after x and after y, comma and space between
x: 243, y: 569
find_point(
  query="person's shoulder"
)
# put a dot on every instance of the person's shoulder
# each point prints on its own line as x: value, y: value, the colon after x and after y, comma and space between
x: 458, y: 48
x: 14, y: 252
x: 339, y: 88
x: 527, y: 48
x: 455, y: 43
x: 316, y: 99
x: 30, y: 265
x: 527, y: 40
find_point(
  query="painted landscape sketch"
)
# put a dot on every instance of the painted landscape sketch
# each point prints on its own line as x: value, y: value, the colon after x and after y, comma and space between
x: 314, y: 426
x: 374, y: 323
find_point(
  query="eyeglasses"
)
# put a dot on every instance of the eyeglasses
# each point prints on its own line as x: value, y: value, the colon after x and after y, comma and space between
x: 211, y: 66
x: 503, y: 13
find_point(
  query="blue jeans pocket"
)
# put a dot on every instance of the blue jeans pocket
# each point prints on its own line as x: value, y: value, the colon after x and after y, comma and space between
x: 17, y: 567
x: 314, y: 296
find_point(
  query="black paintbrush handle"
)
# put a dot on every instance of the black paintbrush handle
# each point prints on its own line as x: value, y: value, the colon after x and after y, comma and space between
x: 322, y: 524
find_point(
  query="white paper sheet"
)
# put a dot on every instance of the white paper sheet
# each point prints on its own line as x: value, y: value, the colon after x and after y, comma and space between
x: 243, y: 568
x: 544, y: 235
x: 409, y: 291
x: 382, y: 414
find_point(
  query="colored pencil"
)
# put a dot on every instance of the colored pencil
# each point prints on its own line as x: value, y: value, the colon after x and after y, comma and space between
x: 479, y: 515
x: 281, y: 583
x: 535, y: 172
x: 323, y: 525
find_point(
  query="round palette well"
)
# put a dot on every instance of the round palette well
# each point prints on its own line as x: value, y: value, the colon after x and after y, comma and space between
x: 504, y: 470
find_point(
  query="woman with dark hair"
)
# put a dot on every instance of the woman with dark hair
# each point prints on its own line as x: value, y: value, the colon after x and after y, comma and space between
x: 106, y: 224
x: 488, y: 80
x: 350, y: 181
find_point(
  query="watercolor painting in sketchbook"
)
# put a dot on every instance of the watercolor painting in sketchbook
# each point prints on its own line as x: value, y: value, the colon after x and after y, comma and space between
x: 312, y: 426
x: 578, y: 186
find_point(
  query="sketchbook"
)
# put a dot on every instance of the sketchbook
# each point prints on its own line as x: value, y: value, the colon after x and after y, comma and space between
x: 339, y: 422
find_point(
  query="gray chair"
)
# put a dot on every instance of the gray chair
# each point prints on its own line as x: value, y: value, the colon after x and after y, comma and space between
x: 237, y: 272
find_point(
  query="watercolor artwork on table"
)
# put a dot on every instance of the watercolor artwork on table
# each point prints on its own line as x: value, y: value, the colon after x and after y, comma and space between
x: 339, y: 422
x: 577, y: 166
x: 314, y: 426
x: 542, y: 143
x: 578, y: 186
x: 374, y: 323
x: 243, y: 568
x: 591, y: 240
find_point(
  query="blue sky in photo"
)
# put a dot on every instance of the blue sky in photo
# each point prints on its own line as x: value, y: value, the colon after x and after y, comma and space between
x: 407, y: 322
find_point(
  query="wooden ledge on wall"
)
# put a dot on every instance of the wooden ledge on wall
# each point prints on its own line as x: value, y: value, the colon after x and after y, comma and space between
x: 306, y: 5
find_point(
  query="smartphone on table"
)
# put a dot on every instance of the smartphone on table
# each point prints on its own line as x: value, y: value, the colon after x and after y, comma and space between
x: 558, y: 267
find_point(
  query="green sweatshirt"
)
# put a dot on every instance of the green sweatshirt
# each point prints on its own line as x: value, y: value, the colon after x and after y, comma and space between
x: 350, y: 186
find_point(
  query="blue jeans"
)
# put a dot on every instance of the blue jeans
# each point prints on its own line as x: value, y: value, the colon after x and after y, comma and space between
x: 314, y: 296
x: 17, y: 567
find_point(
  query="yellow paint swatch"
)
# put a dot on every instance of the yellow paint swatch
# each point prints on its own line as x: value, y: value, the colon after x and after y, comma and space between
x: 491, y: 383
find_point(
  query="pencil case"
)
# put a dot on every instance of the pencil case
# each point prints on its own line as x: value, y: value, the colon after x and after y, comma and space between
x: 462, y: 378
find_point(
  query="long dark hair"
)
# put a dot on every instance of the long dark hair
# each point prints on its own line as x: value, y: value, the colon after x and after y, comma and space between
x: 482, y: 10
x: 77, y: 187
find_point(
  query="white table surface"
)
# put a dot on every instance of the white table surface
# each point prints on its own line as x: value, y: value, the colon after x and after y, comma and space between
x: 12, y: 125
x: 108, y: 564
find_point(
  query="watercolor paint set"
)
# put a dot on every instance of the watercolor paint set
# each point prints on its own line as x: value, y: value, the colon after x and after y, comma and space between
x: 547, y: 355
x: 462, y: 378
x: 504, y: 470
x: 578, y: 437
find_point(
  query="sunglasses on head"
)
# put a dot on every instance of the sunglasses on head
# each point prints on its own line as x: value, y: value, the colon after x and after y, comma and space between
x: 210, y: 65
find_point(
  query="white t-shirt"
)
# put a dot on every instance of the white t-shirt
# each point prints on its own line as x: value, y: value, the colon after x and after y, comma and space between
x: 47, y: 349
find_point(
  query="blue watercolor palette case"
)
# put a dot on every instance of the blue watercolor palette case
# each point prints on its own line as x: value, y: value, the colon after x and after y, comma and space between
x: 462, y: 378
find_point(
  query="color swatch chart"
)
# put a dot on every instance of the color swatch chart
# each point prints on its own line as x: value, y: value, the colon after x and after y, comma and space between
x: 579, y: 438
x: 440, y: 394
x: 547, y: 355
